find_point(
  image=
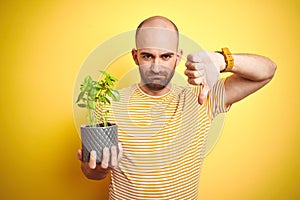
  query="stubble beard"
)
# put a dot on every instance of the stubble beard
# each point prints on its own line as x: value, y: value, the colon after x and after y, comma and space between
x: 151, y: 85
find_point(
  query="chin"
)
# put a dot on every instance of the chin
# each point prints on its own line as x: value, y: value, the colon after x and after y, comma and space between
x: 155, y: 86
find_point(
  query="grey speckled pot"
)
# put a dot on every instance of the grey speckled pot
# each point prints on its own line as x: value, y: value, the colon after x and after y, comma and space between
x: 96, y: 138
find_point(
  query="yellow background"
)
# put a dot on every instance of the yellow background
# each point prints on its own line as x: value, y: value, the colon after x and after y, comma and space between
x: 43, y: 44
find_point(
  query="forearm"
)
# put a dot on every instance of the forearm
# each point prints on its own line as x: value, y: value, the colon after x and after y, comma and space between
x: 252, y: 67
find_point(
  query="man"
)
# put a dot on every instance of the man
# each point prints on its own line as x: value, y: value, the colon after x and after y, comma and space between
x: 163, y: 127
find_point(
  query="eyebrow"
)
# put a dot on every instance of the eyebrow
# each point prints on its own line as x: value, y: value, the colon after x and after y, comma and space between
x: 146, y: 53
x: 167, y: 54
x: 164, y: 54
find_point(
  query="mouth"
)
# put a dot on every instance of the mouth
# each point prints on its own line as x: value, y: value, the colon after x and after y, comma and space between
x: 156, y: 77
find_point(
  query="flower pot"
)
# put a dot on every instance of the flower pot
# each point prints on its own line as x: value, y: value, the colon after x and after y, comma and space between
x: 96, y: 138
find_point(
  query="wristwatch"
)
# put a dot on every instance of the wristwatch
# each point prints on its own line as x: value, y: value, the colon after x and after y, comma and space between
x: 228, y: 59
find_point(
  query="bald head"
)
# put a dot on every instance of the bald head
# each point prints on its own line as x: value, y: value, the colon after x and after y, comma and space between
x: 157, y: 31
x: 158, y: 22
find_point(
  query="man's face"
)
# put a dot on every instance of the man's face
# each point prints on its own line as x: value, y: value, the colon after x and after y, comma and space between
x: 157, y: 56
x: 156, y: 67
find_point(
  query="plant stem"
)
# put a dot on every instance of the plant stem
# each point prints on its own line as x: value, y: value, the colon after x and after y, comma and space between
x: 92, y: 117
x: 104, y: 115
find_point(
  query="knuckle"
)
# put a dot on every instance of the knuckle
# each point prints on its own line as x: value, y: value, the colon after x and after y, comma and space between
x: 187, y: 63
x: 198, y: 81
x: 105, y: 151
x: 200, y: 66
x: 194, y: 74
x: 113, y: 152
x: 197, y: 74
x: 113, y: 149
x: 190, y: 57
x: 105, y: 156
x: 186, y: 72
x: 192, y: 81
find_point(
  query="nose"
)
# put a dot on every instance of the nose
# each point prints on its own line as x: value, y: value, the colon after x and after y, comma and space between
x: 155, y: 67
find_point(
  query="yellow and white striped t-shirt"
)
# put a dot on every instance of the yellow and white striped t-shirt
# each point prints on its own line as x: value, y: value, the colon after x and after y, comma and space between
x: 163, y: 140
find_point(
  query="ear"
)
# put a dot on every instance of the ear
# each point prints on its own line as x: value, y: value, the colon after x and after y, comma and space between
x: 134, y: 56
x: 179, y: 56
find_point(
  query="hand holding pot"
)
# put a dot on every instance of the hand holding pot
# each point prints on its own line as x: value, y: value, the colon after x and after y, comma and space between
x: 95, y: 171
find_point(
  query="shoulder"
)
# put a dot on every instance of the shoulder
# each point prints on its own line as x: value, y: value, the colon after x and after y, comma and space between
x: 127, y: 89
x: 178, y: 88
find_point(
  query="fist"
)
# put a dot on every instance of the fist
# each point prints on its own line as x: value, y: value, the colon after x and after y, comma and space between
x: 203, y: 69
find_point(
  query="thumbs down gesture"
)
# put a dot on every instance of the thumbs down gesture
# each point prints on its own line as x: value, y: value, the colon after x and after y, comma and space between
x: 203, y: 69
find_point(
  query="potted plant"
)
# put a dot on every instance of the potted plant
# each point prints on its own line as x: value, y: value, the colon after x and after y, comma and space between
x: 95, y: 96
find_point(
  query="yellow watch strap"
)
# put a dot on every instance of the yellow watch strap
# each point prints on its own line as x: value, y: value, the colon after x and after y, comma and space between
x: 228, y: 59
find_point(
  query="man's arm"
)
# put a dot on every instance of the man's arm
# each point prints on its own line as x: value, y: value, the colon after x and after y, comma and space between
x: 250, y: 73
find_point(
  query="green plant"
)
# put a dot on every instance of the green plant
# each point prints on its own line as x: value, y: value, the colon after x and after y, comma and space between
x: 96, y: 94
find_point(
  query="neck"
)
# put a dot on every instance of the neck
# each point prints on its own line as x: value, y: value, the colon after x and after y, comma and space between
x: 151, y: 92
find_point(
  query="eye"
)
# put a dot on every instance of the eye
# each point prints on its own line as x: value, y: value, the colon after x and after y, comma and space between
x: 147, y: 56
x: 166, y: 57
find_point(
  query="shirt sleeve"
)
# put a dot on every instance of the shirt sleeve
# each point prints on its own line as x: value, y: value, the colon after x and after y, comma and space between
x: 215, y: 103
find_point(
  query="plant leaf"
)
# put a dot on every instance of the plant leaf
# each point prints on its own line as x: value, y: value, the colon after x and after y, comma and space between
x: 103, y: 72
x: 107, y: 79
x: 113, y: 79
x: 115, y: 94
x: 87, y: 79
x: 107, y: 100
x: 92, y: 93
x: 91, y: 105
x: 81, y: 105
x: 80, y: 96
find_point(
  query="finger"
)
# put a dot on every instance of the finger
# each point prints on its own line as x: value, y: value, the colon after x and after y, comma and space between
x: 79, y: 154
x: 203, y: 95
x: 196, y: 81
x: 190, y: 65
x: 120, y: 155
x: 196, y: 56
x: 93, y: 158
x: 105, y: 158
x: 195, y: 66
x: 113, y: 158
x: 194, y: 74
